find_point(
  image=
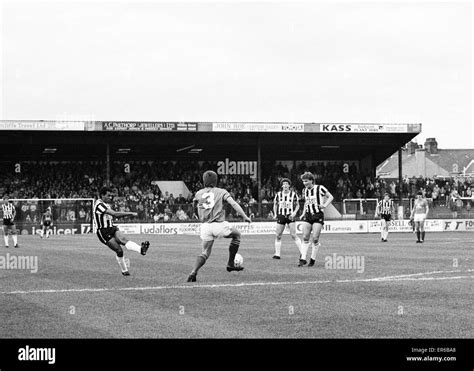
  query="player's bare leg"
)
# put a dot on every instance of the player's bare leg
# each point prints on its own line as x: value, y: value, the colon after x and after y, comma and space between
x: 279, y: 231
x: 422, y: 231
x: 418, y: 231
x: 294, y: 236
x: 201, y: 259
x: 5, y: 235
x: 387, y: 225
x: 307, y: 228
x: 233, y: 248
x: 130, y: 245
x: 115, y: 246
x: 15, y: 236
x: 382, y: 229
x: 317, y: 227
x: 44, y: 232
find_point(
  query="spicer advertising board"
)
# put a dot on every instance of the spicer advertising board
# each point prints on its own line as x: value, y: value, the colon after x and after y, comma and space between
x: 56, y: 229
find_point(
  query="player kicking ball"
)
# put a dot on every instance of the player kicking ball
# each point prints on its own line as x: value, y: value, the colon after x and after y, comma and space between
x: 210, y: 208
x: 285, y: 206
x: 109, y: 234
x: 316, y: 199
x: 386, y: 208
x: 418, y: 216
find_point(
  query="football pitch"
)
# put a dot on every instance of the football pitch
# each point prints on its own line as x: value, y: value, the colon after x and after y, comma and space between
x: 398, y: 289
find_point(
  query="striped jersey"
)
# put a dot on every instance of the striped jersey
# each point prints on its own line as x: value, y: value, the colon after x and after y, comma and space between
x: 286, y: 202
x: 47, y: 216
x: 102, y: 220
x: 385, y: 207
x: 8, y: 211
x: 314, y: 198
x: 211, y: 204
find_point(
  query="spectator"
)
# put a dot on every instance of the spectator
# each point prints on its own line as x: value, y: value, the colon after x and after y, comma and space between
x: 181, y: 214
x: 180, y: 199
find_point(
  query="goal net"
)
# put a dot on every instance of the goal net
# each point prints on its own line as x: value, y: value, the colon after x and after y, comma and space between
x: 69, y: 215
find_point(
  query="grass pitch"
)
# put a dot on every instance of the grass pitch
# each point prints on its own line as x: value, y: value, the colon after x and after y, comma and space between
x: 406, y: 290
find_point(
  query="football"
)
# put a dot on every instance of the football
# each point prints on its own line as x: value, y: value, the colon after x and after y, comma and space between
x: 238, y: 260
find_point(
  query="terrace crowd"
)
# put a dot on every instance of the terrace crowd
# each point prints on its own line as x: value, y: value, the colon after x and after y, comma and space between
x: 135, y: 190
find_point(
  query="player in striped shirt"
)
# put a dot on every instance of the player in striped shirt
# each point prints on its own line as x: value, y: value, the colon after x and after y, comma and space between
x: 385, y: 208
x: 285, y: 206
x: 316, y: 199
x: 9, y: 213
x: 210, y: 208
x: 109, y: 234
x: 47, y: 222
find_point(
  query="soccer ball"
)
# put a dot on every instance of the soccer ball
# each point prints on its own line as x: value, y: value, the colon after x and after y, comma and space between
x: 238, y: 260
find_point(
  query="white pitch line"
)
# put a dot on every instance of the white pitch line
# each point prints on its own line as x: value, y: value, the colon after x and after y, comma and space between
x: 420, y: 274
x: 246, y: 284
x: 428, y: 278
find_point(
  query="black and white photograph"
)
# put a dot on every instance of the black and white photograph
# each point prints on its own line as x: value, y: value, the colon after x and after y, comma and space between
x: 285, y: 181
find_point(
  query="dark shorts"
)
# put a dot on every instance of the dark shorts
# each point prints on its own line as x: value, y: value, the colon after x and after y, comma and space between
x: 284, y: 219
x: 8, y: 222
x: 47, y: 223
x: 314, y: 218
x: 386, y: 217
x: 106, y: 234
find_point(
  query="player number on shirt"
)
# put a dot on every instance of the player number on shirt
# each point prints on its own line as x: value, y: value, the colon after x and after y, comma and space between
x: 209, y: 200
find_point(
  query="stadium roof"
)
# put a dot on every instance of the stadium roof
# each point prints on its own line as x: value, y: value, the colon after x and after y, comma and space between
x: 51, y: 140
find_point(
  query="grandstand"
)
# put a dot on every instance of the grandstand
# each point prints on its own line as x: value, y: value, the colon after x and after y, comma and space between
x: 50, y: 159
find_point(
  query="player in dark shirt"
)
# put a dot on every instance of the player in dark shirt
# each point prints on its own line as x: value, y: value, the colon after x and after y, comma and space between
x: 109, y: 234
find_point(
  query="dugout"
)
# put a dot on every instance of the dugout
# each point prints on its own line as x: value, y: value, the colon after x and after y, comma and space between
x: 365, y: 144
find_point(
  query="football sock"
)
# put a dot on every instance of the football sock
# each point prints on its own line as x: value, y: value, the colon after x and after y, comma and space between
x: 277, y: 247
x: 200, y: 261
x: 233, y: 248
x: 298, y: 243
x: 386, y: 234
x: 418, y: 235
x: 423, y: 235
x: 15, y: 239
x: 314, y: 250
x: 130, y: 245
x: 6, y: 240
x: 304, y: 249
x: 121, y: 262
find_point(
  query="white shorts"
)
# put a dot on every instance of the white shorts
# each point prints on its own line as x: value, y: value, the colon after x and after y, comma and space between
x: 419, y: 217
x: 211, y: 231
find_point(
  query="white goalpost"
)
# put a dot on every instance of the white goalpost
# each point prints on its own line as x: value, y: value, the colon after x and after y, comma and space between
x: 69, y: 215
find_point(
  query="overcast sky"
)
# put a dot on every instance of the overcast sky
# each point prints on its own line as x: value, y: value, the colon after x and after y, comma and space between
x: 242, y: 61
